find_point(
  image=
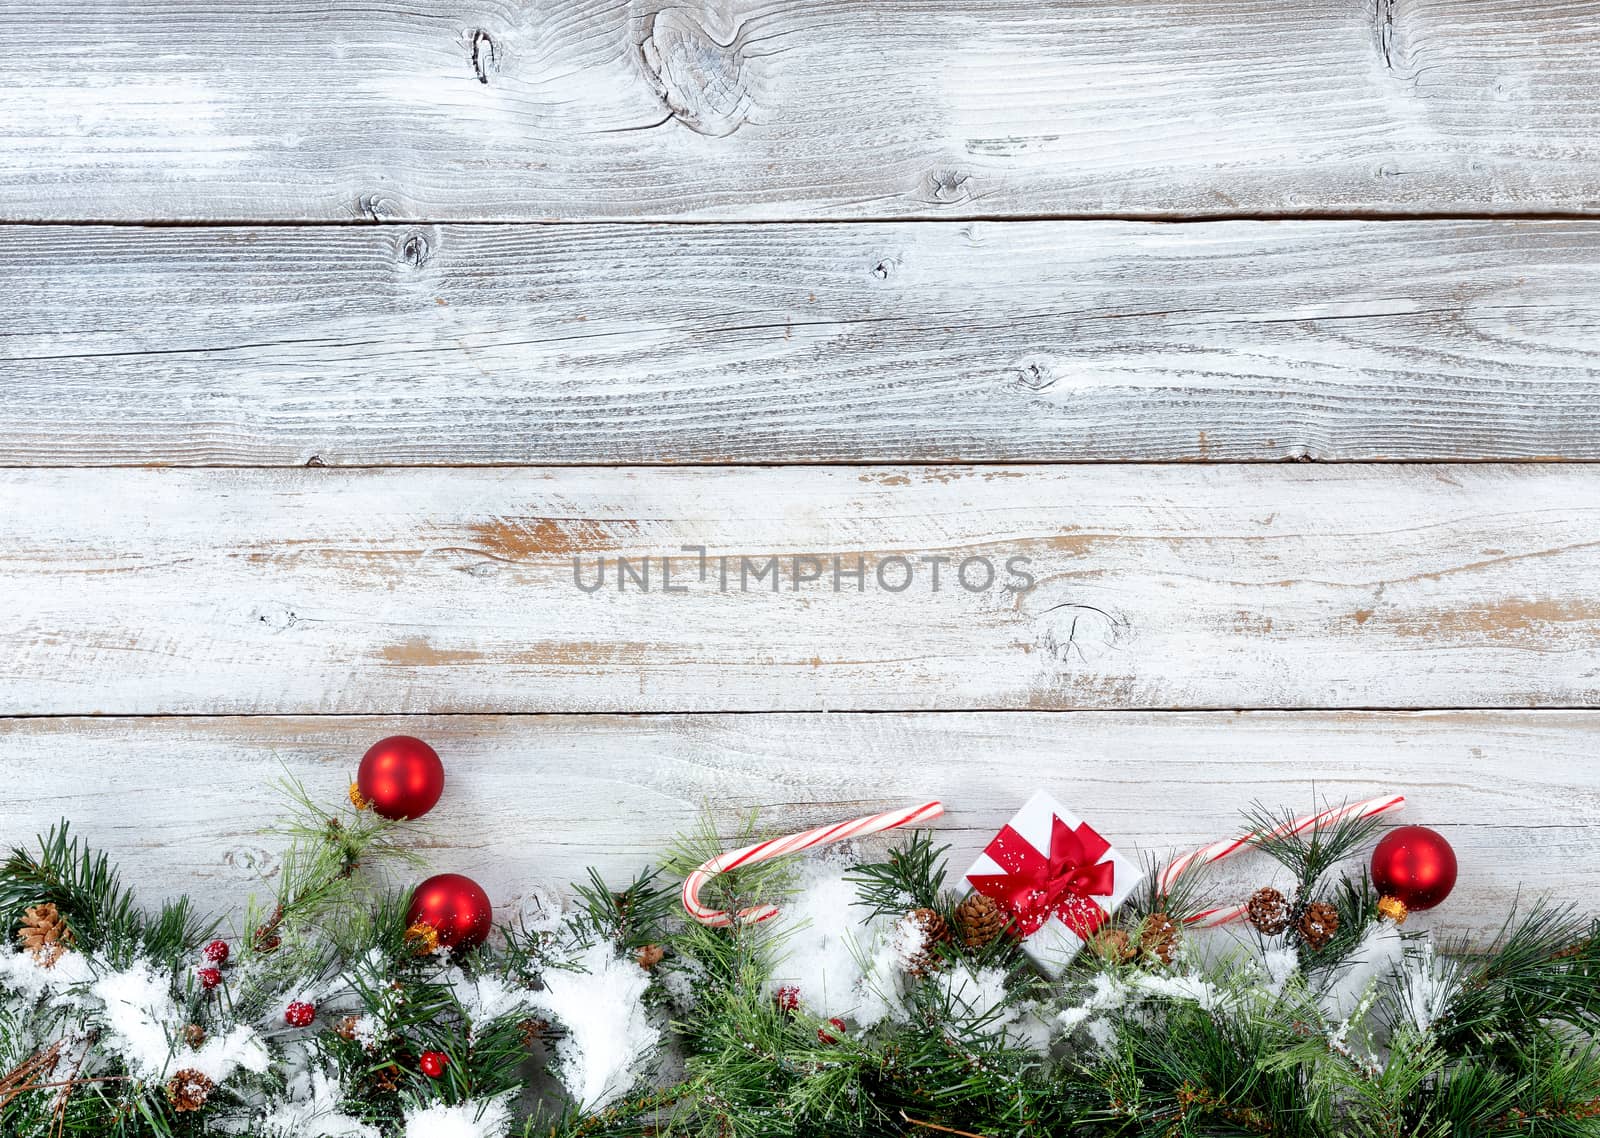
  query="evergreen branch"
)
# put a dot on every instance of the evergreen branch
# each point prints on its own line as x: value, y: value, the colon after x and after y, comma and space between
x: 911, y: 876
x: 1310, y: 853
x: 88, y: 892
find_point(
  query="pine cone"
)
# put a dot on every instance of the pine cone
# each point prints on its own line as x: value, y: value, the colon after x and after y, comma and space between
x: 44, y: 933
x: 1268, y: 911
x: 979, y: 920
x: 1114, y: 946
x: 649, y: 955
x: 933, y: 930
x: 267, y: 939
x: 386, y: 1077
x: 188, y: 1090
x: 195, y: 1036
x: 1318, y: 924
x: 1159, y: 937
x: 533, y: 1030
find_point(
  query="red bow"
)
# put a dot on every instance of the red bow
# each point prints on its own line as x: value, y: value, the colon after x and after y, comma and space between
x: 1035, y: 887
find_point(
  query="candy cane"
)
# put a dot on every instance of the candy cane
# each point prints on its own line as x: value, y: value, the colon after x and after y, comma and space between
x: 793, y: 843
x: 1210, y: 918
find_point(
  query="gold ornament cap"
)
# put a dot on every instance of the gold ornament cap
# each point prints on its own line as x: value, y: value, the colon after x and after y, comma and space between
x: 356, y: 800
x: 1393, y: 909
x: 423, y: 939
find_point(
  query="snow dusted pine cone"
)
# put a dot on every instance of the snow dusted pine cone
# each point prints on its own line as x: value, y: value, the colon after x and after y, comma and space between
x: 649, y: 955
x: 1113, y: 946
x: 979, y: 920
x: 189, y: 1089
x: 1268, y: 911
x: 1318, y: 924
x: 932, y: 931
x: 1159, y: 937
x: 44, y: 933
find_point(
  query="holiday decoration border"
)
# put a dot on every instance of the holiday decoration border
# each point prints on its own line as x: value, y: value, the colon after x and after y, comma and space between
x: 753, y: 992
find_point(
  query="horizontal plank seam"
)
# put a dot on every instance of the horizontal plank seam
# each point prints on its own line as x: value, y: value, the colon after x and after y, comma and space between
x: 735, y: 220
x: 1489, y: 709
x: 820, y: 464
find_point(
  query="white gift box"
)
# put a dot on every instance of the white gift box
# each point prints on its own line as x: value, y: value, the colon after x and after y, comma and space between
x: 1058, y: 878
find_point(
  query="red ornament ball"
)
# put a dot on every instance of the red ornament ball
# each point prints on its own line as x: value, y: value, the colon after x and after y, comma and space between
x: 787, y: 998
x: 216, y: 952
x: 455, y: 907
x: 1416, y: 865
x: 433, y: 1063
x: 299, y: 1014
x: 826, y: 1036
x: 209, y: 977
x: 400, y: 777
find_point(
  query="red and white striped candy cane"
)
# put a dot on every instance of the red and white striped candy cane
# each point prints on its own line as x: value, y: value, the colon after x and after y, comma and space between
x: 793, y: 843
x: 1210, y: 918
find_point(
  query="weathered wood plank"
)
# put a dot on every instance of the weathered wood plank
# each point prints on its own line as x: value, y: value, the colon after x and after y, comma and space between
x: 532, y: 801
x: 1017, y: 341
x: 454, y: 590
x: 443, y: 109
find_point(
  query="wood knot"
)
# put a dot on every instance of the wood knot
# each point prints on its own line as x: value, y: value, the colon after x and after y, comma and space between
x: 251, y: 863
x: 274, y: 615
x: 376, y: 207
x: 948, y: 186
x: 415, y: 250
x: 1035, y: 375
x: 703, y: 81
x: 1079, y: 635
x: 482, y: 46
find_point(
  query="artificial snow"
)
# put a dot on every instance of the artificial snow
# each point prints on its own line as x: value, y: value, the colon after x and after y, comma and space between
x: 484, y: 1118
x: 975, y: 994
x: 485, y: 998
x: 1280, y: 965
x: 842, y: 960
x: 1425, y: 985
x: 609, y: 1035
x: 142, y: 1020
x: 310, y: 1109
x: 682, y: 979
x: 979, y: 997
x: 1111, y: 991
x: 1376, y: 957
x: 30, y: 980
x: 1178, y: 987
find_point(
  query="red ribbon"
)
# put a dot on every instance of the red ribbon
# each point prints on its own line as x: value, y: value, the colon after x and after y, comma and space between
x: 1036, y: 887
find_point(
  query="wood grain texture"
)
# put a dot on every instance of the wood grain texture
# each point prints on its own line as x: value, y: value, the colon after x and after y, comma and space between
x: 1014, y: 341
x: 330, y: 591
x: 531, y: 801
x: 462, y: 109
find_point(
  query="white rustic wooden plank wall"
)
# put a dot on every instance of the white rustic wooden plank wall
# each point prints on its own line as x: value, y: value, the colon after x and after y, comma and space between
x: 794, y: 109
x: 783, y: 277
x: 976, y: 341
x: 290, y: 591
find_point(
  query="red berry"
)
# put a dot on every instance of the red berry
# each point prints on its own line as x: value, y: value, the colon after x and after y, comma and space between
x: 217, y: 952
x: 825, y: 1036
x: 299, y: 1014
x: 433, y: 1063
x: 209, y: 977
x: 787, y: 998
